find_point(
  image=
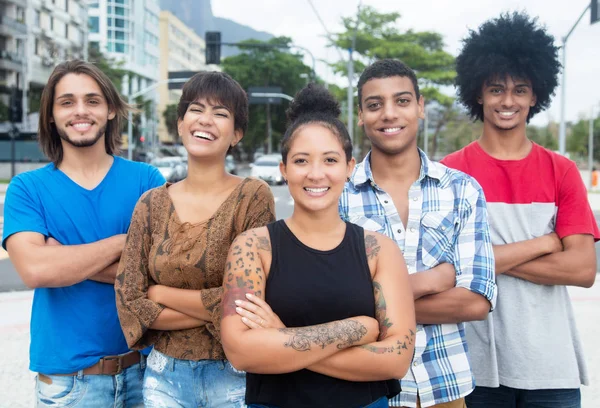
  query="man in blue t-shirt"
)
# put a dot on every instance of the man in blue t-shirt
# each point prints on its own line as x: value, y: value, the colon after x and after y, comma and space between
x: 64, y: 229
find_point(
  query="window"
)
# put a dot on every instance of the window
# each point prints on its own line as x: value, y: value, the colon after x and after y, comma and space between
x: 95, y: 45
x: 120, y: 47
x: 67, y: 5
x: 37, y: 19
x: 94, y: 4
x: 119, y: 35
x: 119, y: 22
x: 67, y: 31
x: 120, y: 11
x: 94, y: 24
x: 51, y: 23
x: 38, y: 49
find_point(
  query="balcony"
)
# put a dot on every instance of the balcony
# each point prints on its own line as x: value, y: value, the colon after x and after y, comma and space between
x: 10, y: 61
x: 10, y: 26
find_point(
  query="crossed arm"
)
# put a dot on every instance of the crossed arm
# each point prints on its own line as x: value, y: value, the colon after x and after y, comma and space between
x: 375, y: 359
x: 547, y: 260
x: 45, y: 263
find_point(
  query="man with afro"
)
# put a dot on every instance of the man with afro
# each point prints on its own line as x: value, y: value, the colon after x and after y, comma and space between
x: 527, y: 353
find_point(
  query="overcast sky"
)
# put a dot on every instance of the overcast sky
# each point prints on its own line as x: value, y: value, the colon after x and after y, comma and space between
x: 452, y: 19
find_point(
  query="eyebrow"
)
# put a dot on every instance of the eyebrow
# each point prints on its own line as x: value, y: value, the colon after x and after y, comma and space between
x: 324, y: 154
x: 88, y: 95
x: 501, y: 85
x: 397, y: 94
x: 200, y: 104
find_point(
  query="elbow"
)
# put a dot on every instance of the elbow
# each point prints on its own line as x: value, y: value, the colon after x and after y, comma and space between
x: 31, y: 277
x: 478, y: 310
x: 588, y: 277
x: 398, y: 371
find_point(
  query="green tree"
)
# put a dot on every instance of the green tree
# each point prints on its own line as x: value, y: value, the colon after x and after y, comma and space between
x: 267, y: 63
x: 113, y: 69
x: 170, y: 115
x: 378, y: 37
x: 577, y: 139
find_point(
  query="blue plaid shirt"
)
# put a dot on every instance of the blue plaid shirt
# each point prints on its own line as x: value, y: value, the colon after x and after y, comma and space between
x: 447, y: 222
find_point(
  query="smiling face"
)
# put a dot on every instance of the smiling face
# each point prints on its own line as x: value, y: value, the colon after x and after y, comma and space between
x: 317, y: 168
x: 390, y: 113
x: 80, y: 111
x: 207, y: 129
x: 506, y: 102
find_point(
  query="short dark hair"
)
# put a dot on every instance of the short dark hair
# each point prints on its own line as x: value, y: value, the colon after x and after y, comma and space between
x: 314, y: 104
x: 386, y: 68
x: 48, y: 136
x: 513, y: 45
x: 216, y: 87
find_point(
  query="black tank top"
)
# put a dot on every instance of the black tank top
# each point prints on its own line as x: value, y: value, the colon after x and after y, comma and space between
x: 306, y: 287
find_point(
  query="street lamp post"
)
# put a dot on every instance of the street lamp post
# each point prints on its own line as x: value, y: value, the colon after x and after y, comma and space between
x: 562, y: 131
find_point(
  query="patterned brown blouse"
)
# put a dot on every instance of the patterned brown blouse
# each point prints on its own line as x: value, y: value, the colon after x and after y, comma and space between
x: 162, y: 250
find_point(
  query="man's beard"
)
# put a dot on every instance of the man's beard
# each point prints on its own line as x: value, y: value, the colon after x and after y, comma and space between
x: 81, y: 143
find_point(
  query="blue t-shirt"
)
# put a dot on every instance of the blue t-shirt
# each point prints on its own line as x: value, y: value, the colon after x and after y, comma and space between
x: 74, y: 326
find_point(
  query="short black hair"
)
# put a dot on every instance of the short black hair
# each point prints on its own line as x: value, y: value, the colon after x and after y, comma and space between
x: 315, y: 104
x: 216, y: 87
x: 511, y: 45
x: 386, y: 68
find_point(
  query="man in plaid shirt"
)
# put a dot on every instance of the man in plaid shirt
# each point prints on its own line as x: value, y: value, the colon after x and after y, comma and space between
x: 438, y: 218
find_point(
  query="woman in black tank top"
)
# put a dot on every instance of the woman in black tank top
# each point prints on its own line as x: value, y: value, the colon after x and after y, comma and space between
x: 319, y: 312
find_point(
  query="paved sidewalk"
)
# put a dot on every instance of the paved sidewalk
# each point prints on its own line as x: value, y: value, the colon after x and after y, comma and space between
x: 17, y: 382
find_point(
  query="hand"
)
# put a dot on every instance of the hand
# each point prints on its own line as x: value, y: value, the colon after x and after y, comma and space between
x: 553, y: 243
x: 372, y: 326
x: 154, y: 293
x: 445, y: 277
x: 52, y: 242
x: 257, y: 314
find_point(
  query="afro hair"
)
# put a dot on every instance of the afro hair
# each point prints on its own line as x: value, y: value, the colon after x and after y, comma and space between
x: 511, y: 45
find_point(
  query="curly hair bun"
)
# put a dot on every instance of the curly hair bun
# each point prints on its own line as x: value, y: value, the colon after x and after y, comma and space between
x: 313, y: 99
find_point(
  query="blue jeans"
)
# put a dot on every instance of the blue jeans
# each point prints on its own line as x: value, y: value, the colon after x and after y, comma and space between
x: 172, y: 383
x: 94, y: 391
x: 506, y: 397
x: 380, y: 403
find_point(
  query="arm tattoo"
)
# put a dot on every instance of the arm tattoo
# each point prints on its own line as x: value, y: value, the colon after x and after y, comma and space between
x: 372, y: 246
x: 345, y: 333
x: 240, y: 276
x: 381, y: 311
x: 264, y: 244
x: 396, y: 348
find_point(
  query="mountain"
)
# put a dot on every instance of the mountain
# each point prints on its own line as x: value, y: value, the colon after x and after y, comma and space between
x: 197, y: 14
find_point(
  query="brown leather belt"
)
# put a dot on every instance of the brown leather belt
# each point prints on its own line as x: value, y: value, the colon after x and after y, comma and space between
x: 111, y: 365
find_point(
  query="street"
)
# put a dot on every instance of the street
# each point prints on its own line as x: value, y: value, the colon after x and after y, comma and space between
x: 16, y: 381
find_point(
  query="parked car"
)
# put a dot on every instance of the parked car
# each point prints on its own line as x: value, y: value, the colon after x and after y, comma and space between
x: 267, y: 168
x: 230, y: 166
x: 172, y: 168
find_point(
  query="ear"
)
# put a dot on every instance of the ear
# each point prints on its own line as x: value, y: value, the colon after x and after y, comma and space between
x: 179, y: 125
x: 360, y: 117
x: 237, y: 136
x: 533, y: 101
x: 282, y: 169
x: 111, y: 114
x: 421, y: 104
x: 350, y: 167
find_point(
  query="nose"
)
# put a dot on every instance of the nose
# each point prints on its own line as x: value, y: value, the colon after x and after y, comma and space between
x: 205, y: 118
x: 390, y: 112
x: 80, y: 108
x: 316, y: 171
x: 508, y: 99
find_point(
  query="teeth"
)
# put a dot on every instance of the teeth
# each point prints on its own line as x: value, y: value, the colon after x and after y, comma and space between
x: 391, y: 130
x: 204, y: 135
x: 316, y: 190
x: 82, y: 126
x: 507, y: 113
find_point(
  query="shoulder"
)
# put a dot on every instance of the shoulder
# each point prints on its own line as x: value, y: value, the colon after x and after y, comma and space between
x: 376, y: 244
x: 457, y: 159
x: 460, y: 182
x: 251, y: 184
x: 29, y: 180
x: 154, y: 195
x: 560, y: 164
x: 255, y: 238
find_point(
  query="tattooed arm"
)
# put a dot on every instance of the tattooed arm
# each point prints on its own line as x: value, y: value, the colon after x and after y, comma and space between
x: 274, y: 351
x: 390, y: 356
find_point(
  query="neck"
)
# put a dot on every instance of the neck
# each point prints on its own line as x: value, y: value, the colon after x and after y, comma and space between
x: 205, y: 175
x: 401, y: 167
x: 84, y: 159
x: 509, y: 144
x: 321, y: 222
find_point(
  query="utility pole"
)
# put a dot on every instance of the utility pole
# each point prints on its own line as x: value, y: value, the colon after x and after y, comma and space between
x: 563, y: 93
x: 351, y: 82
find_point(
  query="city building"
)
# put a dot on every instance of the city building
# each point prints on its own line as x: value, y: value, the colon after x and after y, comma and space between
x: 34, y: 36
x: 181, y: 49
x: 127, y: 31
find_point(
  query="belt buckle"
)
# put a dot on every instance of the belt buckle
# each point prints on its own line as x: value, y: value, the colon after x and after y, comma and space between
x: 119, y: 360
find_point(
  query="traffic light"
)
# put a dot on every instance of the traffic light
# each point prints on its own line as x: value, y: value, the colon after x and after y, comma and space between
x: 213, y: 47
x: 595, y: 11
x: 15, y: 111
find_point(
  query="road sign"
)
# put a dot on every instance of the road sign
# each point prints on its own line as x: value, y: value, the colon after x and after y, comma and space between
x: 264, y: 90
x: 595, y: 11
x: 213, y: 47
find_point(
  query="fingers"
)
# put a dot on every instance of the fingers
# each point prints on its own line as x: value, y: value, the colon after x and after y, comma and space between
x: 259, y: 302
x: 250, y: 323
x: 251, y: 317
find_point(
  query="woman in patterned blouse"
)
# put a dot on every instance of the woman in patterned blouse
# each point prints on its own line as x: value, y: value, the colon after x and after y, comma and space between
x: 169, y: 281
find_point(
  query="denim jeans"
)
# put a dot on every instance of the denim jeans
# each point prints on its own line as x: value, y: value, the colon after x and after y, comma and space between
x: 506, y: 397
x: 171, y: 383
x: 123, y: 390
x: 380, y: 403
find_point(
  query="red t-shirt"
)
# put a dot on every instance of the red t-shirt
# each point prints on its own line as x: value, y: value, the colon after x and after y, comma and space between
x: 543, y: 190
